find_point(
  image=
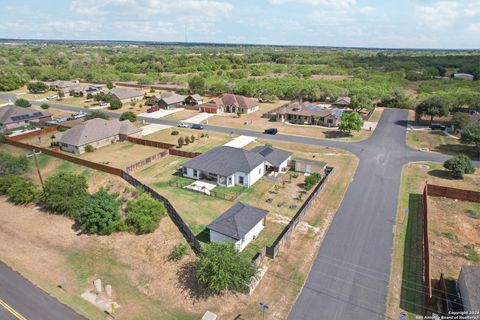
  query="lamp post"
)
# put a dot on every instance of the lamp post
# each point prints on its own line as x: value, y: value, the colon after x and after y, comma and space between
x: 263, y: 307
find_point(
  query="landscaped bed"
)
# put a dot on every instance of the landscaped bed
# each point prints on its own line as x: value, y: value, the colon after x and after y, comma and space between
x: 406, y: 279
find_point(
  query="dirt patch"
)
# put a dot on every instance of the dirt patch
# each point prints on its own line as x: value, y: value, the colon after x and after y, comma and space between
x: 332, y: 77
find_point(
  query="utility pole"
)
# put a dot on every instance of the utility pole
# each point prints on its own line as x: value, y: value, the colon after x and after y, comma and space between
x: 34, y: 154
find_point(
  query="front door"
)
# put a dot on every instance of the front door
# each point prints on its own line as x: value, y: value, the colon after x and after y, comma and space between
x: 308, y: 168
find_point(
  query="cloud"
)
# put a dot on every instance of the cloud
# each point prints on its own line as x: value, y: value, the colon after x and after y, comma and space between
x: 474, y: 27
x: 445, y: 14
x: 339, y: 4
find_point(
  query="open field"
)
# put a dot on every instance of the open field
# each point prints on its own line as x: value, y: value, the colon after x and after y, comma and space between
x: 437, y: 141
x: 254, y: 121
x: 201, y: 144
x: 406, y: 280
x: 144, y: 283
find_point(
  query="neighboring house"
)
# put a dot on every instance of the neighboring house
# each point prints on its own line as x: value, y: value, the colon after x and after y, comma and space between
x: 14, y: 117
x: 469, y: 287
x: 230, y: 103
x: 276, y: 160
x: 97, y: 133
x: 193, y: 100
x: 306, y: 113
x: 342, y: 102
x: 81, y: 89
x: 126, y: 94
x: 230, y: 166
x: 63, y: 86
x: 308, y: 166
x: 239, y: 225
x: 464, y: 76
x: 169, y: 100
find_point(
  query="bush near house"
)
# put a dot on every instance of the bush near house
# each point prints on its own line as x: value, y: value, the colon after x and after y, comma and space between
x: 45, y: 106
x: 100, y: 214
x: 24, y: 103
x: 459, y: 165
x: 7, y: 181
x: 144, y: 214
x: 115, y: 104
x: 64, y: 193
x: 37, y: 87
x: 129, y: 115
x: 89, y: 148
x: 350, y: 121
x: 12, y: 165
x: 23, y: 191
x: 312, y: 180
x: 221, y: 267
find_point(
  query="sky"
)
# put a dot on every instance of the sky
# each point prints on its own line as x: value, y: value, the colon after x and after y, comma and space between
x: 453, y: 24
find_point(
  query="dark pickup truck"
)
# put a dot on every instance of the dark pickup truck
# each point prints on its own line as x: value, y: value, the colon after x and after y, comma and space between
x: 437, y: 126
x: 271, y: 131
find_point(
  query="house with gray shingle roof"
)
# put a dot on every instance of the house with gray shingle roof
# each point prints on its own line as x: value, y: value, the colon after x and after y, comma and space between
x: 276, y: 160
x: 230, y: 103
x: 96, y: 133
x: 125, y: 94
x: 239, y: 225
x: 469, y: 286
x: 14, y: 117
x: 229, y: 166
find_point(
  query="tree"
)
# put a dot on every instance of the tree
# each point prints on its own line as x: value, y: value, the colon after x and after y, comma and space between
x: 37, y: 87
x: 22, y: 191
x: 100, y: 213
x: 61, y: 94
x: 96, y: 114
x: 45, y: 106
x: 350, y: 121
x: 11, y: 165
x: 435, y: 106
x: 109, y: 85
x: 144, y: 214
x: 197, y: 84
x: 24, y: 103
x: 129, y: 115
x: 361, y: 102
x: 115, y: 104
x: 459, y: 165
x: 460, y: 120
x: 471, y: 134
x: 312, y: 180
x: 64, y: 193
x: 221, y: 267
x: 89, y: 96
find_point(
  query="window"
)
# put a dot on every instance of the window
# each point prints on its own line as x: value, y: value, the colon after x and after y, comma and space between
x: 229, y: 180
x: 195, y: 173
x: 240, y: 180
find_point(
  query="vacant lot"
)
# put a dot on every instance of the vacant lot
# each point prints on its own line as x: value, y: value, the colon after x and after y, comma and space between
x: 406, y: 280
x: 254, y: 121
x: 204, y: 140
x: 181, y: 115
x: 437, y: 141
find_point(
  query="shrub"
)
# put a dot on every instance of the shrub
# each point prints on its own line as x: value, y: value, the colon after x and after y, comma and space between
x: 459, y: 165
x: 178, y: 252
x: 24, y: 103
x: 89, y: 96
x: 181, y: 142
x: 100, y: 213
x: 96, y: 114
x: 3, y: 138
x: 187, y: 140
x: 192, y: 138
x: 129, y: 115
x: 221, y: 267
x: 64, y: 193
x: 174, y: 133
x: 144, y: 214
x: 115, y: 104
x: 22, y: 191
x: 37, y: 87
x: 89, y: 148
x: 312, y: 180
x: 7, y: 181
x: 45, y: 106
x: 350, y: 121
x: 12, y: 165
x: 109, y: 85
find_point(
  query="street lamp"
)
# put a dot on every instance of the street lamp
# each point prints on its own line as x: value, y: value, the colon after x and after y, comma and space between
x: 263, y: 307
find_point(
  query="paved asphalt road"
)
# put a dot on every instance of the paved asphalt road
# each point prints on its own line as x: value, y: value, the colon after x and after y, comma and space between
x: 28, y: 301
x: 349, y: 279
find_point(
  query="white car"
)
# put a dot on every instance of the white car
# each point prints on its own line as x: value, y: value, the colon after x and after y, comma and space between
x: 183, y: 125
x: 52, y: 97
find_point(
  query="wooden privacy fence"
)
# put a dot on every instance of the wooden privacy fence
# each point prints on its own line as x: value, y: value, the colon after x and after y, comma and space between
x: 172, y: 212
x: 453, y: 193
x: 146, y: 161
x: 35, y: 133
x: 273, y: 250
x: 185, y: 154
x: 150, y: 143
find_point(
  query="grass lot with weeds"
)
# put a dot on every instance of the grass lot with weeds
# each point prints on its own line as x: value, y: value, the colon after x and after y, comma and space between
x: 406, y: 279
x: 437, y: 141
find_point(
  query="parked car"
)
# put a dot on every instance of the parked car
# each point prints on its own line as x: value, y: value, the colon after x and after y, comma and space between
x: 437, y: 126
x: 271, y: 131
x: 183, y: 125
x: 78, y: 115
x: 153, y: 109
x: 52, y: 97
x: 197, y: 126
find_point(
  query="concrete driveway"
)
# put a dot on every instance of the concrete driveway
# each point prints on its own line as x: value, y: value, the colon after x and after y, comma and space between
x: 160, y: 113
x: 154, y: 127
x: 240, y: 142
x: 199, y: 117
